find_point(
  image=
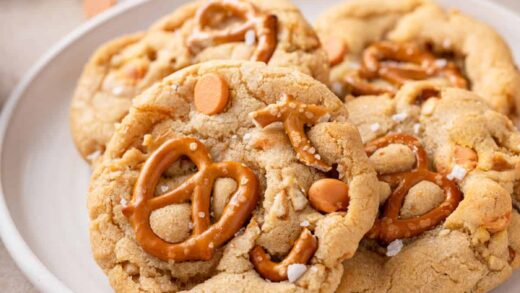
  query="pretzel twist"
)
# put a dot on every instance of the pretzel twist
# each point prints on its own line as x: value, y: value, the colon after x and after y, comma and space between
x: 197, y: 189
x: 264, y: 25
x: 302, y: 251
x: 295, y: 115
x: 390, y: 226
x: 397, y: 64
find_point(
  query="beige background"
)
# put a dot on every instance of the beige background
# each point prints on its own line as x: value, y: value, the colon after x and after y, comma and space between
x: 27, y: 29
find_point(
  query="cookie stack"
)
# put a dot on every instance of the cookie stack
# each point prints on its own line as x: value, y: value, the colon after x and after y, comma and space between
x: 233, y: 151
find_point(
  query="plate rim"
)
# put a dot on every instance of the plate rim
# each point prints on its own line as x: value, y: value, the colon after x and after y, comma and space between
x: 30, y: 265
x: 25, y: 259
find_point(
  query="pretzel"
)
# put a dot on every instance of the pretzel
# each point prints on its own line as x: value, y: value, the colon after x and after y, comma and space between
x: 390, y: 227
x: 302, y: 251
x: 398, y: 63
x: 197, y: 189
x: 295, y: 115
x: 264, y: 25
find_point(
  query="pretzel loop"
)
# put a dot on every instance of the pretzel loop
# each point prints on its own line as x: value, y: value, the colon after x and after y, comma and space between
x: 264, y: 25
x: 390, y: 226
x: 197, y: 189
x: 302, y: 251
x: 397, y: 64
x: 295, y: 115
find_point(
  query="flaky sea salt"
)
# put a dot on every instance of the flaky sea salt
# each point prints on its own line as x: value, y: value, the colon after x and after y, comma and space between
x: 399, y: 117
x: 202, y: 215
x: 295, y: 271
x: 123, y: 202
x: 394, y: 247
x: 441, y: 63
x: 375, y: 127
x: 250, y: 37
x: 416, y: 128
x: 446, y: 43
x: 457, y: 172
x: 304, y: 223
x: 118, y: 90
x: 94, y: 155
x: 193, y: 146
x: 233, y: 201
x: 337, y: 88
x: 324, y: 118
x: 164, y: 188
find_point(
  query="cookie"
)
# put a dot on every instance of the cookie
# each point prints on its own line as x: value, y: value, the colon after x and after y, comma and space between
x: 232, y: 173
x: 376, y: 46
x: 453, y: 168
x: 270, y: 31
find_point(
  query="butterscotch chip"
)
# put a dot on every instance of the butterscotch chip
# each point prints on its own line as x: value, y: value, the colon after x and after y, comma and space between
x: 329, y: 195
x: 211, y: 94
x: 336, y: 50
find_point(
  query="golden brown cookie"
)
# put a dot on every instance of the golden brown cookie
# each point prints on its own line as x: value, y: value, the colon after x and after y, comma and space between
x: 270, y: 31
x: 428, y: 238
x: 188, y: 199
x: 376, y: 46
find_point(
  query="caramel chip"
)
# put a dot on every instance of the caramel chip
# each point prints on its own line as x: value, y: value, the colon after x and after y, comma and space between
x: 336, y: 50
x: 329, y: 195
x: 211, y: 94
x: 465, y: 157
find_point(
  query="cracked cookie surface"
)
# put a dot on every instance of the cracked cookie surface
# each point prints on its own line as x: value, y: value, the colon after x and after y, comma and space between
x: 283, y: 213
x: 446, y: 42
x: 474, y: 249
x: 121, y: 69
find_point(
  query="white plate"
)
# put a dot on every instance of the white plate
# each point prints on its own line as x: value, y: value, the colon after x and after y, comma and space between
x: 43, y: 217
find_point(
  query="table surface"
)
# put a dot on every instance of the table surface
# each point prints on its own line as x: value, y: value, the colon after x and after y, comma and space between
x: 32, y: 27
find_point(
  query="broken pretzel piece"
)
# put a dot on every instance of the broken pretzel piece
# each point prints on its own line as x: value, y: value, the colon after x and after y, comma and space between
x: 263, y: 25
x: 295, y: 115
x: 302, y: 251
x: 398, y: 63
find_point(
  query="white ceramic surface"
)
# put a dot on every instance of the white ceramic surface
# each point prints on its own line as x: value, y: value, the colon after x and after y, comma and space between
x: 43, y: 217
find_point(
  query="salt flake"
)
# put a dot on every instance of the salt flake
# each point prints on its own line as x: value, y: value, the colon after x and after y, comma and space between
x: 375, y: 127
x: 250, y: 37
x: 416, y: 128
x: 394, y: 247
x: 193, y: 146
x: 457, y: 172
x: 295, y: 271
x: 304, y: 223
x: 94, y: 155
x: 399, y: 117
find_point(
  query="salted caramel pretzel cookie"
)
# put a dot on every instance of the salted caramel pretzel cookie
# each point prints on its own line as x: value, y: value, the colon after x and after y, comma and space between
x: 376, y: 46
x: 452, y: 166
x: 232, y: 175
x: 269, y: 31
